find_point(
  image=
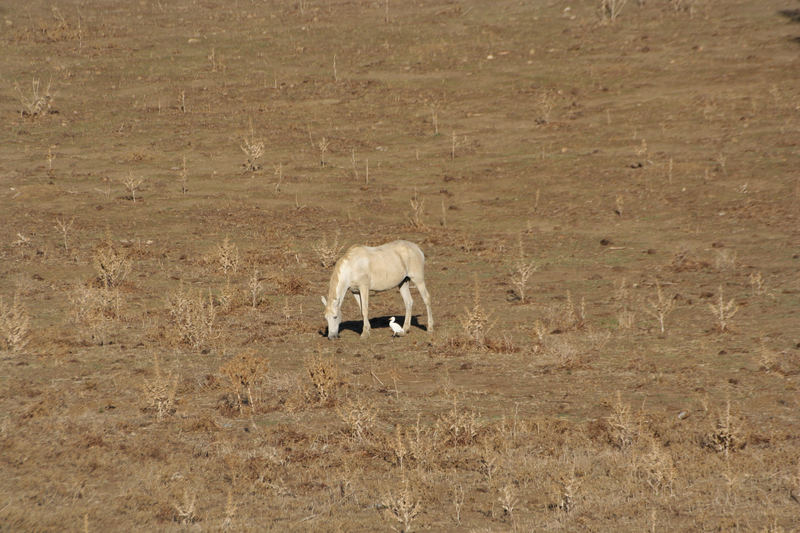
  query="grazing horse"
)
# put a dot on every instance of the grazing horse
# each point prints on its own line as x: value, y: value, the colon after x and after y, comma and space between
x: 376, y: 268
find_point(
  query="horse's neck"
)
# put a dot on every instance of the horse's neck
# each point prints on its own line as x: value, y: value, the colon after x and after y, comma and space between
x: 339, y: 285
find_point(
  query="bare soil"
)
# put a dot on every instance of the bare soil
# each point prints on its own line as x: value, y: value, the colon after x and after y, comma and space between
x: 176, y: 177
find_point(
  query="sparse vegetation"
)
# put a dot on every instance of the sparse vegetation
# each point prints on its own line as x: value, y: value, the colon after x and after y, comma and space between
x: 177, y: 375
x: 14, y: 325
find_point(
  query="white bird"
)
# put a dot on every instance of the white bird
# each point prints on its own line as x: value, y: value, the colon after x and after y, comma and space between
x: 396, y: 328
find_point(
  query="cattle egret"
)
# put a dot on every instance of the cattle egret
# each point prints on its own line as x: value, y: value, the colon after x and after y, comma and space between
x: 395, y: 327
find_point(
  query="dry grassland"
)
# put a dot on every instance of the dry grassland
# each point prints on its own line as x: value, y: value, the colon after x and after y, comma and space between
x: 608, y: 197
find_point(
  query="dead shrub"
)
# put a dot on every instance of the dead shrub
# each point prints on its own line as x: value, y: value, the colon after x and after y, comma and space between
x: 476, y: 322
x: 522, y: 271
x: 37, y: 103
x: 359, y: 415
x: 449, y: 346
x: 622, y: 424
x: 727, y: 434
x: 193, y: 316
x: 111, y: 263
x: 322, y: 380
x: 458, y: 427
x: 93, y: 311
x: 566, y: 316
x: 655, y: 466
x: 246, y: 374
x: 159, y: 392
x: 412, y: 443
x: 226, y: 255
x: 290, y: 284
x: 402, y: 507
x: 328, y: 253
x: 14, y: 325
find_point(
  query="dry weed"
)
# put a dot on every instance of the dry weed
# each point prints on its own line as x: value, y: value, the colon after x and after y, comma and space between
x: 132, y: 183
x: 227, y: 256
x: 193, y: 316
x: 111, y: 264
x: 14, y: 325
x: 64, y: 227
x: 255, y: 286
x: 93, y: 310
x: 727, y: 434
x: 621, y: 422
x: 458, y: 426
x: 656, y: 467
x: 725, y: 260
x: 545, y: 104
x: 247, y: 374
x: 328, y: 254
x: 38, y: 103
x: 323, y: 382
x: 476, y: 322
x: 359, y: 415
x: 660, y: 307
x: 569, y: 488
x: 417, y: 210
x: 523, y: 270
x: 253, y: 148
x: 566, y: 316
x: 402, y: 507
x: 160, y: 391
x: 414, y: 443
x: 723, y: 312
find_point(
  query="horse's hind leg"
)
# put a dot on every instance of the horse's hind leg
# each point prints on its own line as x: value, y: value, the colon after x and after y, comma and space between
x: 405, y: 292
x: 427, y: 299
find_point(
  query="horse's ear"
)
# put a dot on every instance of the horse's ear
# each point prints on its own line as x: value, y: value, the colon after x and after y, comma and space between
x: 324, y: 301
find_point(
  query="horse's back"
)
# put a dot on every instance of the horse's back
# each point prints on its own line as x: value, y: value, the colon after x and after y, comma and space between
x: 386, y: 265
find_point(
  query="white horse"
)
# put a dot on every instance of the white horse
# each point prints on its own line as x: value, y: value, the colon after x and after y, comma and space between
x: 366, y: 268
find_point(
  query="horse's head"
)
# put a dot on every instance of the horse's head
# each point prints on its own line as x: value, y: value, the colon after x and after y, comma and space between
x: 333, y: 316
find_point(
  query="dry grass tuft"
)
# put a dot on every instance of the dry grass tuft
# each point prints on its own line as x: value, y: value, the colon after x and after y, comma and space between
x: 253, y: 148
x: 458, y: 426
x: 38, y: 103
x: 660, y: 307
x: 402, y: 507
x: 723, y: 312
x: 111, y: 263
x: 246, y: 374
x: 656, y: 467
x: 227, y: 256
x: 727, y: 434
x: 193, y: 316
x: 14, y: 325
x: 359, y: 415
x: 566, y: 316
x: 93, y: 310
x: 476, y: 322
x: 523, y: 270
x: 322, y: 380
x: 417, y: 210
x: 328, y: 254
x: 622, y: 424
x: 160, y: 391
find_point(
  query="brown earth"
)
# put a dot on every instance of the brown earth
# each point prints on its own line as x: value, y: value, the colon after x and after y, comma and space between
x: 163, y: 362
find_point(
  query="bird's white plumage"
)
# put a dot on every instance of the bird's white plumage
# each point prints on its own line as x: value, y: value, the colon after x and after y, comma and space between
x: 395, y: 327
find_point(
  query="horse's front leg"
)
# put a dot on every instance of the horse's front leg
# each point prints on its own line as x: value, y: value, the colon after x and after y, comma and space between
x: 363, y: 293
